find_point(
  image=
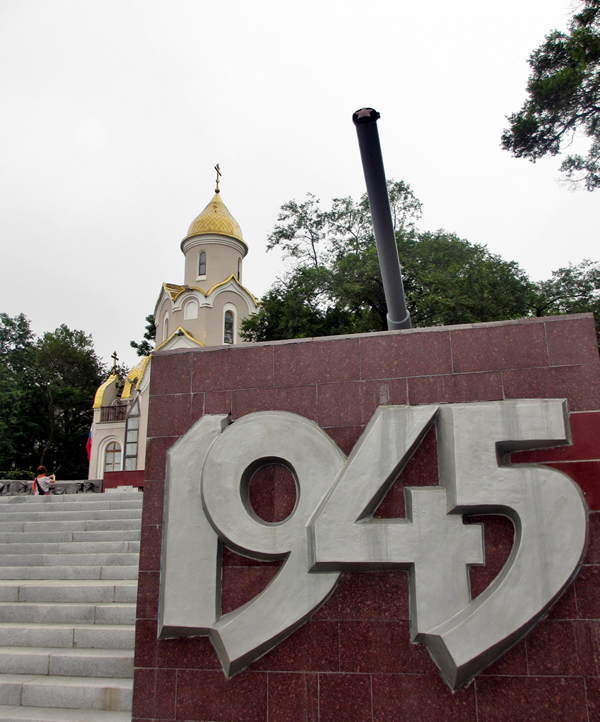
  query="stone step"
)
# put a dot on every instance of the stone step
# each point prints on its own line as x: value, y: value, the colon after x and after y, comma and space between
x: 67, y: 572
x: 103, y: 505
x: 71, y: 498
x: 63, y: 613
x: 68, y: 591
x: 73, y: 662
x: 54, y: 537
x: 68, y: 587
x: 81, y: 525
x: 10, y: 713
x: 69, y: 515
x: 58, y: 560
x: 82, y: 636
x: 70, y: 692
x: 104, y: 547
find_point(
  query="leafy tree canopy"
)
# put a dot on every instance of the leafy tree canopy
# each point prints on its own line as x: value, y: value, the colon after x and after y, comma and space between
x: 333, y: 285
x: 47, y: 387
x: 146, y: 345
x: 563, y: 97
x: 574, y: 289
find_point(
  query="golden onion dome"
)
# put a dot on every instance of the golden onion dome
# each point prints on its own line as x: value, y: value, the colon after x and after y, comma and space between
x: 215, y: 218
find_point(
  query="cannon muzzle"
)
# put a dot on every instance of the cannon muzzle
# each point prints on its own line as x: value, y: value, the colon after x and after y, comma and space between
x: 365, y: 121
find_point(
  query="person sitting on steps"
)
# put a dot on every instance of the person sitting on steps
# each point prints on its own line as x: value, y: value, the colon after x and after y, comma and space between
x: 41, y: 483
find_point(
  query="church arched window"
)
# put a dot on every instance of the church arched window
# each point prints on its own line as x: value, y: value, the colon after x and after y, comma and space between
x: 228, y: 327
x: 112, y: 457
x: 202, y: 264
x: 166, y: 327
x: 240, y: 270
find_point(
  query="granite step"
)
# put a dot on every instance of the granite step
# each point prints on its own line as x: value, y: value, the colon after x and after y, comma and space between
x: 10, y: 713
x: 68, y: 572
x: 81, y: 636
x: 70, y: 515
x: 109, y: 663
x: 71, y: 547
x: 61, y: 613
x: 70, y: 591
x: 72, y: 498
x: 74, y: 525
x: 57, y: 560
x: 105, y: 693
x: 55, y: 537
x: 40, y: 506
x: 73, y: 662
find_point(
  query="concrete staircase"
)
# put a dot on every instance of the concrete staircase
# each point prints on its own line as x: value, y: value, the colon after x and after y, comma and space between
x: 68, y: 586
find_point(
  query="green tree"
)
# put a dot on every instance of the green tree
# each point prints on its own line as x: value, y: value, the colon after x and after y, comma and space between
x: 573, y: 289
x: 67, y: 371
x: 16, y: 342
x: 334, y: 285
x: 47, y: 387
x: 563, y: 97
x: 146, y: 345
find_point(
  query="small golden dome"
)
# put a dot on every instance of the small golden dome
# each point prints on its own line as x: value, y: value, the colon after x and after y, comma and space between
x: 215, y: 218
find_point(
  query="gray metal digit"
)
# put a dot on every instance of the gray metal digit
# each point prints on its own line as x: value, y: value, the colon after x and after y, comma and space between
x: 547, y: 509
x: 245, y: 634
x: 190, y: 563
x: 434, y: 546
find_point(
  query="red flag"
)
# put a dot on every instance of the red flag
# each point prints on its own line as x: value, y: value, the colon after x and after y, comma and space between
x: 88, y: 444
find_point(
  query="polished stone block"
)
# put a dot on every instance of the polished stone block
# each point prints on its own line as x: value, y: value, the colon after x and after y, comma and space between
x: 241, y: 584
x: 571, y: 342
x: 543, y: 699
x: 415, y: 698
x: 580, y: 385
x: 147, y: 599
x: 331, y: 360
x: 381, y: 647
x: 239, y: 367
x: 384, y: 392
x: 458, y: 388
x: 339, y: 404
x: 170, y: 415
x: 207, y: 695
x: 171, y: 373
x: 293, y: 697
x: 401, y: 353
x: 298, y: 399
x: 312, y: 648
x: 345, y: 697
x: 493, y: 347
x: 186, y: 653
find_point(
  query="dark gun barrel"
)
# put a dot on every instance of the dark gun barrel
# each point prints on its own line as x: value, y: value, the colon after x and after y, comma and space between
x: 365, y: 121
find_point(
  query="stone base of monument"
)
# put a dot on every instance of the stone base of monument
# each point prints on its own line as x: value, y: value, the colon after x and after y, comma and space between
x: 353, y: 658
x: 10, y: 487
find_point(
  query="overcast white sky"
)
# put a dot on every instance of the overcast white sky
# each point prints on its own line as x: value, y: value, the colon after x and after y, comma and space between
x: 114, y: 112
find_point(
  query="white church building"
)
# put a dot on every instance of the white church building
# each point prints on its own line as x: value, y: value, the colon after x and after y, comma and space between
x: 206, y: 310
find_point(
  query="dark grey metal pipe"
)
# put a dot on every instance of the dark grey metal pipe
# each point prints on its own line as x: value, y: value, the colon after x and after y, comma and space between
x: 365, y: 121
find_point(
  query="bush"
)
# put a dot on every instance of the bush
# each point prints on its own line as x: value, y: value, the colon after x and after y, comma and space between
x: 18, y: 475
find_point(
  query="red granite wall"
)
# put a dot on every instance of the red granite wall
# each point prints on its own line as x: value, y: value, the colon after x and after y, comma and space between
x: 353, y: 659
x: 113, y: 479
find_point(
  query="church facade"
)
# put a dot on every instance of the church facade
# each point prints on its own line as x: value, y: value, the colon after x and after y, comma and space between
x: 206, y: 310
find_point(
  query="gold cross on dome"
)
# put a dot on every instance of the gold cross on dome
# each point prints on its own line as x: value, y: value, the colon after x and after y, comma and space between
x: 115, y: 358
x: 219, y: 174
